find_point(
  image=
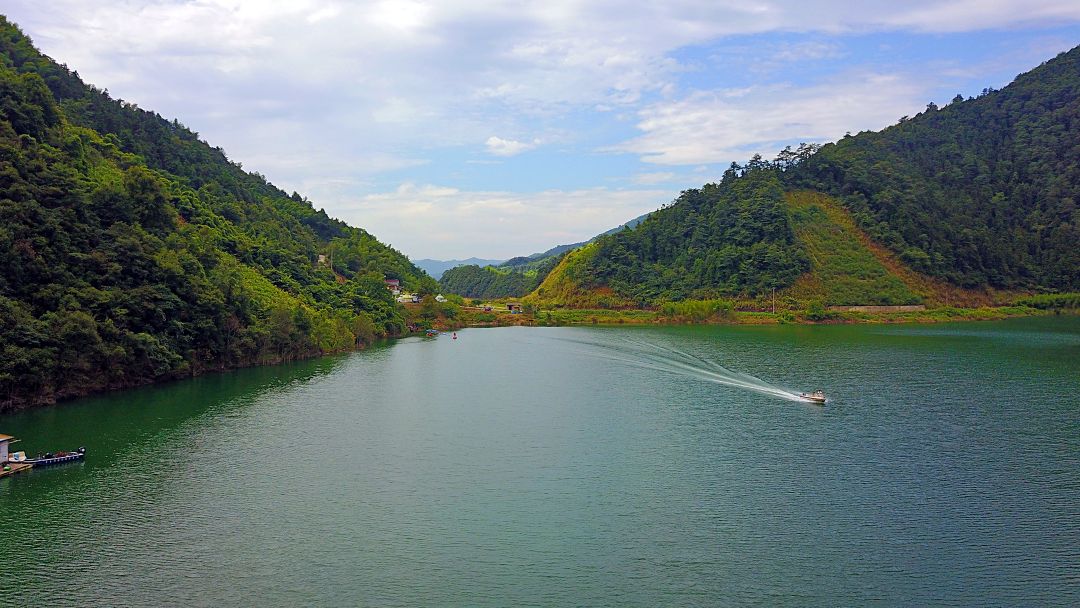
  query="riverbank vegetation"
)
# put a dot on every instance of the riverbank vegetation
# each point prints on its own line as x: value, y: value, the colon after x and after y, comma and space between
x: 740, y: 312
x: 1052, y: 301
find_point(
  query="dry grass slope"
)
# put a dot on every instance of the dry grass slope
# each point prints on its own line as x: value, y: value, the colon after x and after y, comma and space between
x: 564, y: 286
x: 848, y: 268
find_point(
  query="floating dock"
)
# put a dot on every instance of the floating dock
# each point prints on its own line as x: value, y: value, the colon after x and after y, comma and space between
x: 12, y: 468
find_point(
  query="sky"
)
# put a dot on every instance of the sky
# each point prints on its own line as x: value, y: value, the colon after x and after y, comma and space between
x: 452, y: 129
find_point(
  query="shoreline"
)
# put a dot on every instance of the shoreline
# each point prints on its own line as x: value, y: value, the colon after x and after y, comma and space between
x: 607, y: 317
x: 571, y: 317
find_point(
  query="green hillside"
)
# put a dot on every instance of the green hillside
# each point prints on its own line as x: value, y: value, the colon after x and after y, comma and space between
x: 132, y: 251
x: 569, y: 285
x: 980, y: 192
x: 515, y: 277
x: 950, y: 205
x: 723, y: 239
x: 843, y: 268
x: 472, y: 281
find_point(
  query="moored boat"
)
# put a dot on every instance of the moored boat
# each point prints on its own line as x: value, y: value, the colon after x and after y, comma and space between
x: 50, y: 458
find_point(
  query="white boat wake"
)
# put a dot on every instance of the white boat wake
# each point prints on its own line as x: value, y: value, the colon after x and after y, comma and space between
x: 667, y: 359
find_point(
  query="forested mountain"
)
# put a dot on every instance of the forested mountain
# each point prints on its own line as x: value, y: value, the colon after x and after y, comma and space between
x: 527, y: 261
x: 981, y: 193
x: 727, y: 238
x: 473, y: 281
x: 131, y: 251
x: 537, y: 259
x: 436, y: 268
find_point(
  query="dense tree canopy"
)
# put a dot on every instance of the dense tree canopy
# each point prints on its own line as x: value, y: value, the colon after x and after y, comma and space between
x: 505, y: 281
x: 723, y: 239
x: 132, y: 251
x: 982, y: 192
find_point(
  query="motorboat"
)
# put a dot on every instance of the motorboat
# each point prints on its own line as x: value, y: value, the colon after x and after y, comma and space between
x: 817, y: 396
x: 56, y: 458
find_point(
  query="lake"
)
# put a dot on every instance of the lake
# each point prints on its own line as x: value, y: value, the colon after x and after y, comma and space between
x: 586, y: 466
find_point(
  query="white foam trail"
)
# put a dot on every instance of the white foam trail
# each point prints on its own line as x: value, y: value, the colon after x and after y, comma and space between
x: 672, y: 360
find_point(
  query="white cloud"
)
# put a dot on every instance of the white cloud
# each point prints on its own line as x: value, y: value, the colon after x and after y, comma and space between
x: 508, y: 147
x: 711, y: 127
x: 324, y: 13
x: 970, y: 15
x: 432, y: 62
x: 804, y: 51
x: 438, y: 221
x: 319, y: 94
x: 650, y: 179
x: 404, y: 15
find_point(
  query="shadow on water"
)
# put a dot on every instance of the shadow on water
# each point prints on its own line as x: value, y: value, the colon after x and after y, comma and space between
x: 113, y: 425
x: 142, y: 445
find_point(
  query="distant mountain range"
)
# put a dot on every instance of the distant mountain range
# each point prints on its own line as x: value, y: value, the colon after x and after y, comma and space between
x: 531, y: 260
x: 436, y: 268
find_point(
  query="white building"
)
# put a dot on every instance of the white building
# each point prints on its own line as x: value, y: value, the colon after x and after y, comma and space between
x: 4, y: 441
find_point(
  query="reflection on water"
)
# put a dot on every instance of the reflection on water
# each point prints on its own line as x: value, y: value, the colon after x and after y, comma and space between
x: 111, y: 423
x: 574, y: 466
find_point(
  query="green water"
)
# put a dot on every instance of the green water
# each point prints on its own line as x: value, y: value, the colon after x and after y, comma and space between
x: 525, y: 466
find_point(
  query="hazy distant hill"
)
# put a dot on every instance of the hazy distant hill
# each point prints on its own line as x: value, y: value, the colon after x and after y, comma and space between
x: 981, y: 193
x: 558, y: 250
x: 436, y: 268
x: 132, y: 251
x: 514, y: 277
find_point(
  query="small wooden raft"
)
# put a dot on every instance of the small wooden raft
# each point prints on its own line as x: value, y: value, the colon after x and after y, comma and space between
x: 11, y: 468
